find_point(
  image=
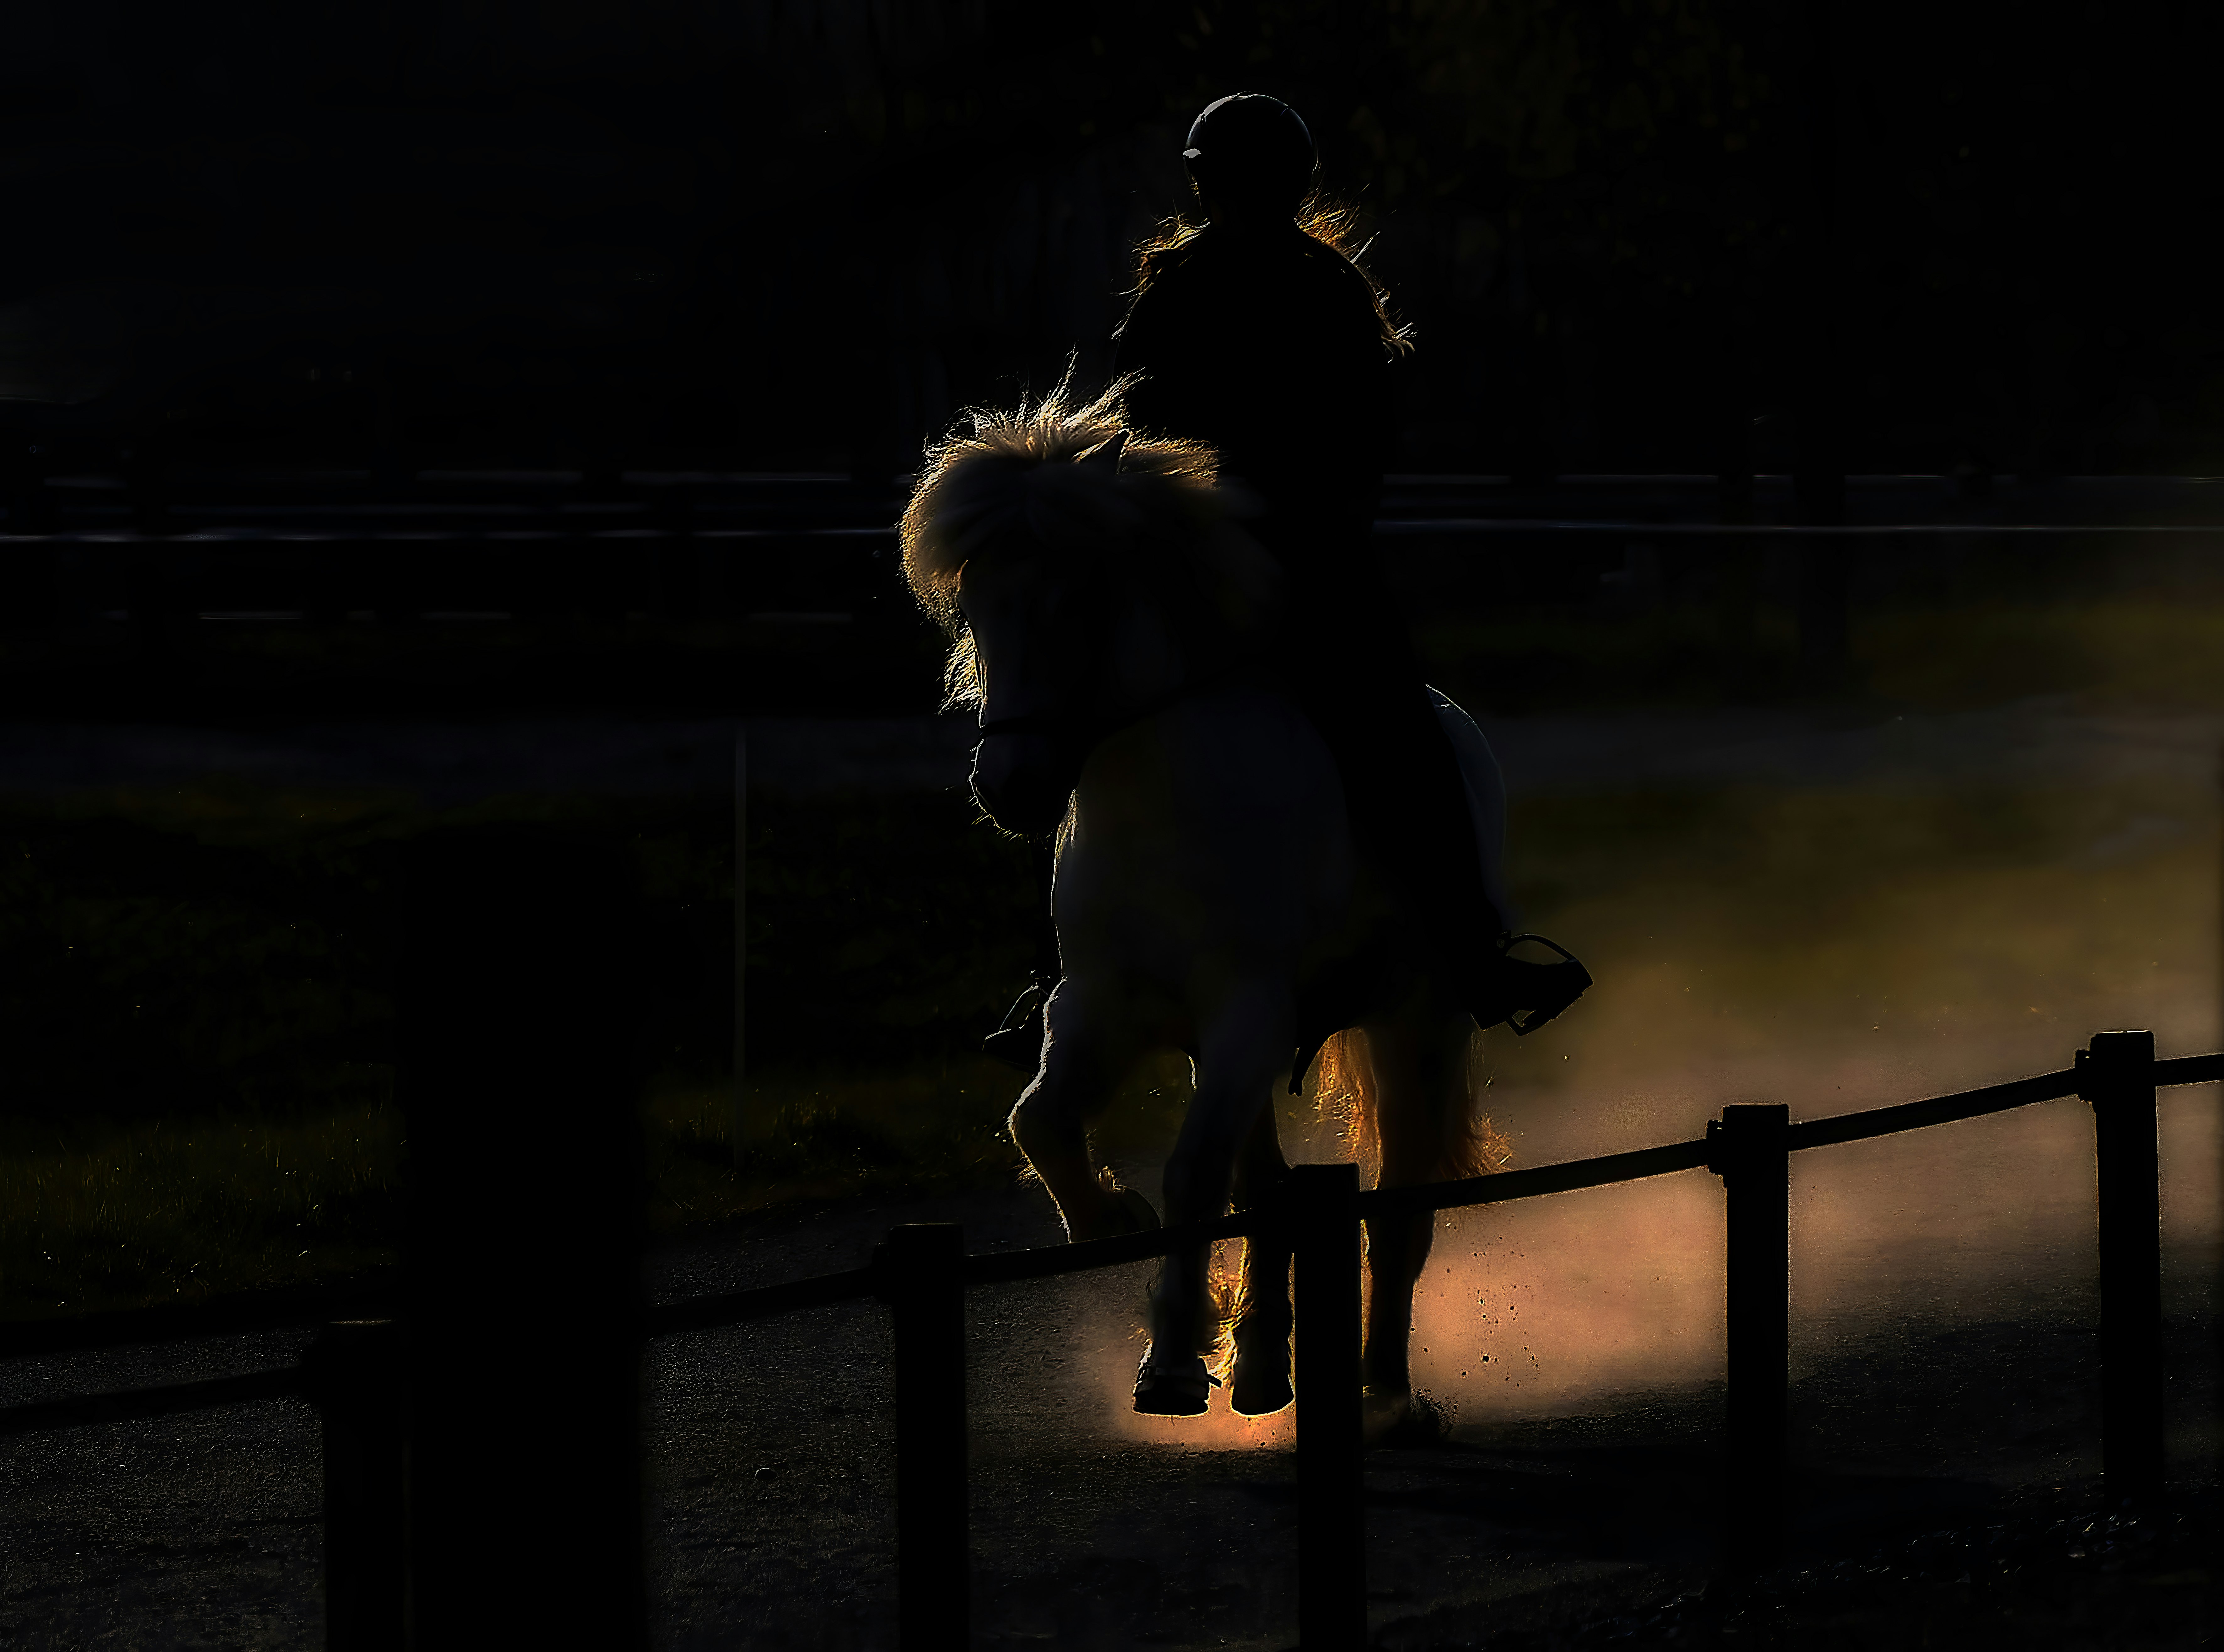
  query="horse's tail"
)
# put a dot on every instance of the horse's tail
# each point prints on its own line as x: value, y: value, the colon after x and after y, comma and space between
x: 1348, y: 1093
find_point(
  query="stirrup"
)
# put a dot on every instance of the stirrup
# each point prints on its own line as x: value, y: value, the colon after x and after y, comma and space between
x: 1018, y: 1042
x: 1545, y: 989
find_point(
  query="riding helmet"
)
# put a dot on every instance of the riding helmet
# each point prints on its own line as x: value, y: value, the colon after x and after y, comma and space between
x: 1252, y: 146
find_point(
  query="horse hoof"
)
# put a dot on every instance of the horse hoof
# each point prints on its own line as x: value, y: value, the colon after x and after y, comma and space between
x: 1172, y: 1386
x: 1252, y: 1395
x: 1405, y: 1420
x: 1383, y: 1412
x: 1260, y: 1385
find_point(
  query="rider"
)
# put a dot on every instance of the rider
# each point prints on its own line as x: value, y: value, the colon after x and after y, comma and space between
x: 1258, y: 336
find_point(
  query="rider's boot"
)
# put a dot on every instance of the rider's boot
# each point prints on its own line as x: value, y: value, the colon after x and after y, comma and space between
x: 1018, y: 1043
x: 1524, y: 994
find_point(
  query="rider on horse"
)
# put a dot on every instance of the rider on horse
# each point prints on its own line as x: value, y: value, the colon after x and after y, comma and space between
x: 1253, y: 333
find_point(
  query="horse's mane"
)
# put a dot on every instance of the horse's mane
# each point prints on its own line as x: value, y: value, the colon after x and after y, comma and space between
x: 1060, y: 469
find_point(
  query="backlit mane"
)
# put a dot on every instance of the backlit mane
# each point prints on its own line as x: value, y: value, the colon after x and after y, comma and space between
x: 1019, y: 468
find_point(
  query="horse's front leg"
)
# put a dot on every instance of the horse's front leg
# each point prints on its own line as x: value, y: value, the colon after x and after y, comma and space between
x: 1242, y: 1047
x: 1086, y: 1049
x: 1259, y: 1381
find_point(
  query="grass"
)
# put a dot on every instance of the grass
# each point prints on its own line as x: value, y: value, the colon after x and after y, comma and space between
x: 813, y: 1136
x: 197, y: 1001
x: 121, y: 1216
x: 167, y: 1211
x: 116, y: 1216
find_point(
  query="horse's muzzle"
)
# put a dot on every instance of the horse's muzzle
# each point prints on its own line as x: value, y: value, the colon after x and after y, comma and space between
x: 1022, y: 781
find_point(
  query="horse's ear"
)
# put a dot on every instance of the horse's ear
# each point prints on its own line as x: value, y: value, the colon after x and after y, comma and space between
x: 1106, y: 454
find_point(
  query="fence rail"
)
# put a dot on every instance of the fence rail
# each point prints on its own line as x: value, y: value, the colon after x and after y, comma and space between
x: 162, y: 1400
x: 922, y: 1273
x: 243, y: 1314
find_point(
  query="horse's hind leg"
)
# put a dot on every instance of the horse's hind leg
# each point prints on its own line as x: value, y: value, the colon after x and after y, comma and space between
x: 1420, y: 1065
x: 1259, y: 1383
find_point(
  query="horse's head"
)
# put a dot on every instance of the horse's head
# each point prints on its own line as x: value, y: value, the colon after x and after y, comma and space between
x: 1035, y: 625
x: 1065, y: 557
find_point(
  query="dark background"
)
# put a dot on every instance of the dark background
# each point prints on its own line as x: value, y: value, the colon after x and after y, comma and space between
x: 1699, y: 236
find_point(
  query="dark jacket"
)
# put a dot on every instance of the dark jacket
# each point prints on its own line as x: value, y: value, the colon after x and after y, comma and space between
x: 1267, y: 343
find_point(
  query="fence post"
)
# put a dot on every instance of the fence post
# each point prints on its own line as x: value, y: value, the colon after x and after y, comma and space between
x: 2119, y: 1080
x: 740, y: 1123
x: 1752, y: 1158
x: 1331, y: 1484
x: 521, y: 991
x: 355, y: 1375
x: 927, y: 1292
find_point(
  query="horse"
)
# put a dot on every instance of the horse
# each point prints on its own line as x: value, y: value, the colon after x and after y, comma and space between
x: 1111, y: 625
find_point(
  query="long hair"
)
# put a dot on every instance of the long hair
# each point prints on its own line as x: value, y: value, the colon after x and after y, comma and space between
x: 1018, y: 468
x: 1332, y: 222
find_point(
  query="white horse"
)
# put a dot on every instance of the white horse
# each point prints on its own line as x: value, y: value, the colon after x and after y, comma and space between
x: 1112, y: 623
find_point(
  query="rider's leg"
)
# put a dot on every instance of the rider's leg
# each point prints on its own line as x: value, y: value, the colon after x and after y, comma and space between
x: 1259, y: 1383
x: 1410, y: 817
x: 1408, y: 804
x: 1085, y: 1053
x: 1409, y: 808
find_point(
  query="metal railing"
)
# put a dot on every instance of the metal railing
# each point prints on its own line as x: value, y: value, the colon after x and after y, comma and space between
x: 922, y: 1272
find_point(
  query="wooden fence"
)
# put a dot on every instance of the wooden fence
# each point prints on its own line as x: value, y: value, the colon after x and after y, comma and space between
x: 922, y: 1273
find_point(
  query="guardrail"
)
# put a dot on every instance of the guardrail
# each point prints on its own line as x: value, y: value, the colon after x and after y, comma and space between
x: 922, y: 1272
